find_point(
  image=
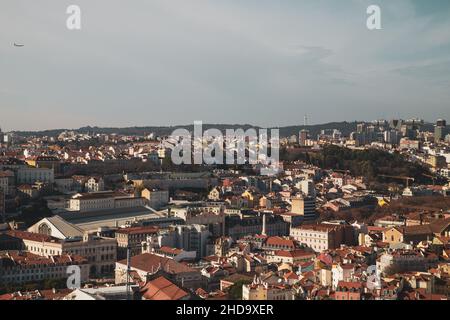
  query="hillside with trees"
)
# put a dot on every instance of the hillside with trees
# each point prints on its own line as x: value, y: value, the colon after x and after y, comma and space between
x: 371, y: 163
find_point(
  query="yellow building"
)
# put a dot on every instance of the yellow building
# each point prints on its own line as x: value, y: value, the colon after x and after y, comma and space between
x: 392, y: 236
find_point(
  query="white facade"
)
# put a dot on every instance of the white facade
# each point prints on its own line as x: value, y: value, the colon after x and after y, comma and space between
x: 95, y: 185
x: 51, y: 268
x: 156, y: 198
x: 339, y: 273
x: 33, y: 175
x: 92, y: 202
x: 307, y: 187
x: 318, y: 240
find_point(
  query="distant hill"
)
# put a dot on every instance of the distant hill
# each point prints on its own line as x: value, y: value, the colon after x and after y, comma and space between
x: 345, y: 127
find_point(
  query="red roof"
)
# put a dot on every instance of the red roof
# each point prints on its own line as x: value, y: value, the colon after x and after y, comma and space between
x: 294, y: 253
x: 349, y: 285
x: 162, y: 289
x: 151, y: 263
x: 138, y: 230
x: 280, y: 242
x: 169, y: 250
x: 25, y: 235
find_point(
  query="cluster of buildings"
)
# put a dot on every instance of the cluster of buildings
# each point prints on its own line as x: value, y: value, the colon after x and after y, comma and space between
x: 138, y: 232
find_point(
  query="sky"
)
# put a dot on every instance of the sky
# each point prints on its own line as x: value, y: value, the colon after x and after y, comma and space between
x: 262, y: 62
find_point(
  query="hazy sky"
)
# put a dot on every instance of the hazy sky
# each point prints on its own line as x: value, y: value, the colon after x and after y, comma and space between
x: 264, y: 62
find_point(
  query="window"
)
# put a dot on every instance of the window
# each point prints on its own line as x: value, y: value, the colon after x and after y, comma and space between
x: 45, y: 229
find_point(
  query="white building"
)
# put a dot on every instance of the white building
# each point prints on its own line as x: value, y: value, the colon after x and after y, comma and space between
x: 260, y: 290
x: 27, y: 175
x: 22, y: 267
x: 94, y: 184
x: 318, y: 237
x: 307, y: 187
x: 340, y: 272
x: 155, y: 198
x: 85, y: 202
x: 101, y: 253
x: 56, y: 227
x: 193, y: 237
x: 7, y: 182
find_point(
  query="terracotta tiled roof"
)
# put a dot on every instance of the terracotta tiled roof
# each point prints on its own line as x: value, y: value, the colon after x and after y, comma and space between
x: 25, y: 235
x: 162, y: 289
x: 37, y: 295
x: 138, y: 230
x: 17, y: 258
x: 294, y: 253
x: 278, y: 241
x: 169, y: 250
x: 151, y: 263
x: 349, y: 285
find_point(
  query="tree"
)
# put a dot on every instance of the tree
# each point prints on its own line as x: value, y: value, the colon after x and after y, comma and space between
x: 235, y: 291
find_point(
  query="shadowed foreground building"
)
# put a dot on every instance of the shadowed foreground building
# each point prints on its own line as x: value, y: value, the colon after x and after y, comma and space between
x: 147, y: 264
x: 18, y: 267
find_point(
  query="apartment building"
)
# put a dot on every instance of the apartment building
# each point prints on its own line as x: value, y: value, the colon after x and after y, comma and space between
x: 304, y: 206
x: 86, y: 202
x: 240, y: 225
x: 28, y: 175
x: 193, y: 237
x: 349, y: 291
x: 259, y: 290
x: 17, y: 267
x: 155, y: 198
x: 8, y: 182
x: 148, y: 264
x: 94, y: 184
x: 100, y: 253
x: 133, y: 237
x: 321, y: 237
x: 405, y: 260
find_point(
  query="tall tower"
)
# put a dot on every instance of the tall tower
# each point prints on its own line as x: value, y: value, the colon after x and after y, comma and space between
x: 264, y: 233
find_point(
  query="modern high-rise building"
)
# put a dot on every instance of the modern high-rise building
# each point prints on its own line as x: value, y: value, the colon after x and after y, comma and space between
x: 361, y: 127
x: 392, y: 136
x: 440, y: 130
x: 441, y: 123
x: 307, y: 187
x: 305, y: 206
x: 303, y: 136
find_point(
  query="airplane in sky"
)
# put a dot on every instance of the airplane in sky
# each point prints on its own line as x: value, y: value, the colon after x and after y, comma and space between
x: 18, y: 45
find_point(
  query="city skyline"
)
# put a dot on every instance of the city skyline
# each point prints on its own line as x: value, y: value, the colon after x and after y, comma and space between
x: 300, y: 124
x: 266, y: 63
